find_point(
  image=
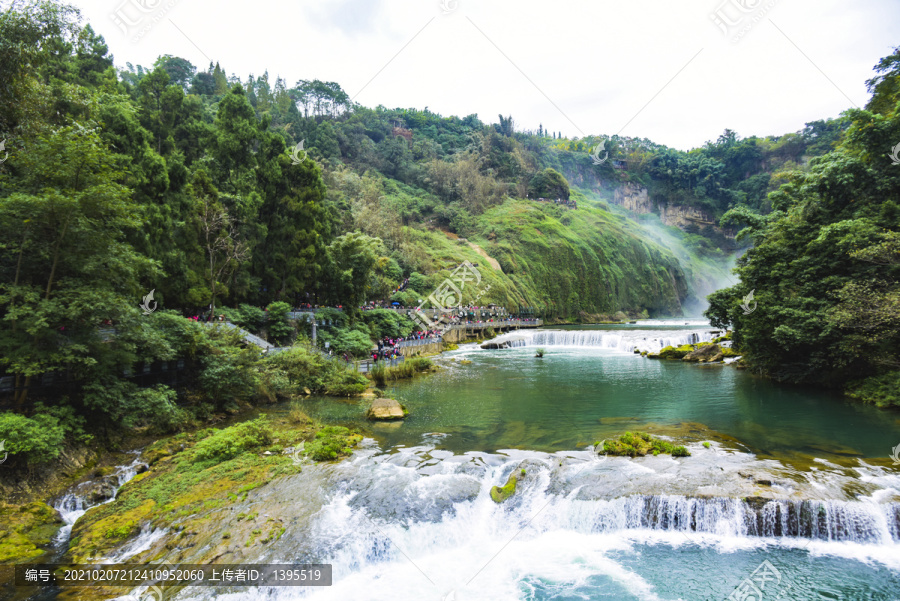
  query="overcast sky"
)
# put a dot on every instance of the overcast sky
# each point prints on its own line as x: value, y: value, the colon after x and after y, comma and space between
x: 660, y: 69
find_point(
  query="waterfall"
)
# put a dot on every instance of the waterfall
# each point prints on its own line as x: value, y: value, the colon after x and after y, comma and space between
x: 617, y: 340
x: 73, y: 504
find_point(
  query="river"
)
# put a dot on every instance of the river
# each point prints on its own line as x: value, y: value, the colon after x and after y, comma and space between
x: 788, y: 489
x: 792, y: 476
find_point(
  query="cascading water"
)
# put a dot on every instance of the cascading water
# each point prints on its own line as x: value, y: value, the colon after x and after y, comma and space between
x: 622, y: 341
x: 75, y: 503
x: 419, y: 523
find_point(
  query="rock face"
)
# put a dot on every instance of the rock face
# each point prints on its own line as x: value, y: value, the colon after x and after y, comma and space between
x: 705, y: 354
x: 386, y: 409
x: 636, y: 198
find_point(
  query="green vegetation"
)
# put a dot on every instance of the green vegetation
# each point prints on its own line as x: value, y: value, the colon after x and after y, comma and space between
x: 26, y: 531
x: 230, y: 442
x: 639, y: 444
x: 331, y: 442
x: 382, y: 373
x: 180, y: 180
x: 825, y: 266
x: 502, y: 493
x: 194, y: 473
x: 539, y: 353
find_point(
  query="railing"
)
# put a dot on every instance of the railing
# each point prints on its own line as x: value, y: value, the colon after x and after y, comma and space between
x: 498, y: 324
x: 366, y: 365
x: 419, y: 341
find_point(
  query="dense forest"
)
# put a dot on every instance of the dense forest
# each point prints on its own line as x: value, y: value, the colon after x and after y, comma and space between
x: 217, y: 191
x: 825, y: 263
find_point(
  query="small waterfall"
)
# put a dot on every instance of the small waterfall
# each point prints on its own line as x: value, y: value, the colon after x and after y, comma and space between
x: 858, y: 522
x: 74, y: 503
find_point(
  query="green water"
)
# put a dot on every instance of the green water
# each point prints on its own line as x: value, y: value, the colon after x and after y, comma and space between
x: 577, y: 395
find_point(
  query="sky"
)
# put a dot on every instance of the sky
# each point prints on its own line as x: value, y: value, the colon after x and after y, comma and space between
x: 678, y: 72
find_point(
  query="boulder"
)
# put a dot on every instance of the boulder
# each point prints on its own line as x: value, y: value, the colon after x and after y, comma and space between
x: 671, y: 352
x: 704, y: 354
x: 502, y: 493
x: 386, y: 409
x: 97, y: 491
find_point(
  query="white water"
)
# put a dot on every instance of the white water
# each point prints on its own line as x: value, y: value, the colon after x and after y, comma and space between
x: 419, y: 524
x: 72, y: 505
x: 619, y: 340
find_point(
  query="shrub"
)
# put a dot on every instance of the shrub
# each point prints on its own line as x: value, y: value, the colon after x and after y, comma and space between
x: 883, y: 390
x: 330, y: 442
x: 127, y: 405
x: 230, y: 442
x: 382, y: 372
x: 36, y: 439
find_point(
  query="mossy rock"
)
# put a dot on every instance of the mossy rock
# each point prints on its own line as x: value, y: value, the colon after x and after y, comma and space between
x: 92, y: 539
x: 706, y: 353
x: 502, y: 493
x: 671, y: 352
x: 26, y: 531
x: 639, y: 444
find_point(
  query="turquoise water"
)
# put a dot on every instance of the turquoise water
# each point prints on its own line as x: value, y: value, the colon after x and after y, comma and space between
x: 577, y: 395
x: 793, y: 491
x: 410, y: 516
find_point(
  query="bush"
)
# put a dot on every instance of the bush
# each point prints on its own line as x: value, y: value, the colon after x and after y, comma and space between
x: 384, y: 322
x: 129, y: 406
x: 330, y: 442
x: 287, y: 373
x: 883, y: 390
x: 230, y: 442
x: 36, y: 439
x: 382, y: 372
x: 297, y: 415
x: 246, y: 316
x: 228, y: 374
x: 357, y: 343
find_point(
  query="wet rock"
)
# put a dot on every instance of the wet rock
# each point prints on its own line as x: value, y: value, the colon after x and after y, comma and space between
x: 502, y: 493
x: 704, y: 354
x: 100, y: 490
x: 386, y: 409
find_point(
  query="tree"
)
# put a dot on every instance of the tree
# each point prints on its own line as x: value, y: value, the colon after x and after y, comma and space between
x: 352, y: 259
x: 548, y: 183
x: 180, y: 71
x: 63, y: 227
x: 225, y: 252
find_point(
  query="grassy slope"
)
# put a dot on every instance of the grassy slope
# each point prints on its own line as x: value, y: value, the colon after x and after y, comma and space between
x: 566, y: 261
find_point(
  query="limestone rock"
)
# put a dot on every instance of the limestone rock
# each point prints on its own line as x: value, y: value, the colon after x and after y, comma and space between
x: 704, y: 354
x: 386, y: 409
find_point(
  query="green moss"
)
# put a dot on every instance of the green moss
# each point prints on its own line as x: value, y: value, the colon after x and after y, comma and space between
x: 500, y: 494
x: 26, y: 530
x: 179, y: 490
x: 671, y: 352
x: 639, y: 444
x: 332, y: 442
